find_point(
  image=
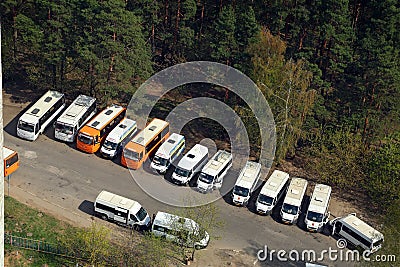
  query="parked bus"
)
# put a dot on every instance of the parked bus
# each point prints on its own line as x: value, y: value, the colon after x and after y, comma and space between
x: 212, y: 174
x: 92, y: 134
x: 118, y: 138
x: 81, y: 110
x: 294, y: 198
x: 175, y: 228
x: 317, y: 214
x: 35, y: 120
x: 123, y: 211
x: 357, y: 232
x: 144, y: 143
x: 272, y: 191
x: 11, y: 161
x: 190, y: 164
x: 168, y: 152
x: 246, y: 183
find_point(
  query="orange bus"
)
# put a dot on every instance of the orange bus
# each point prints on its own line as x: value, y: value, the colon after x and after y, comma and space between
x: 11, y: 161
x: 93, y: 133
x: 144, y: 143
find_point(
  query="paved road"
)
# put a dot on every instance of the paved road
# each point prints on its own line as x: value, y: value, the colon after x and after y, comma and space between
x: 66, y: 181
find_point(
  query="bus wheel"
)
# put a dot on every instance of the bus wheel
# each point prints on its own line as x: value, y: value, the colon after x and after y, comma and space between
x: 104, y: 217
x: 198, y: 247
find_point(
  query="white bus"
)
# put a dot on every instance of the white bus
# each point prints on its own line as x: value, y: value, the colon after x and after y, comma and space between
x: 272, y: 191
x: 357, y: 232
x: 212, y: 174
x: 168, y: 152
x: 81, y: 110
x: 317, y: 214
x: 246, y: 183
x: 35, y: 120
x: 190, y: 164
x: 179, y: 229
x: 118, y: 137
x: 123, y: 211
x: 294, y: 198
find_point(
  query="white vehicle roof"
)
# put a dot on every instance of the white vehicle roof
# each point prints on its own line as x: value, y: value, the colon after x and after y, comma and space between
x: 296, y: 191
x: 7, y: 152
x: 41, y: 106
x: 217, y: 162
x: 320, y: 198
x: 149, y: 132
x: 193, y: 157
x: 121, y: 130
x: 249, y: 174
x: 76, y: 110
x: 118, y: 201
x: 172, y: 221
x: 104, y: 117
x: 169, y: 145
x: 356, y: 223
x: 274, y: 184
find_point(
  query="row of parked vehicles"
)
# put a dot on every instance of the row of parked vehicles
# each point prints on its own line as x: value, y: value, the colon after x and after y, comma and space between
x: 111, y: 132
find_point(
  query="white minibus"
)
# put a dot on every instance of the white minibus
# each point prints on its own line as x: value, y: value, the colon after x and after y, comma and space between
x: 317, y: 214
x: 179, y: 229
x: 81, y: 110
x: 246, y: 183
x: 118, y: 137
x: 35, y: 120
x: 123, y: 211
x: 212, y: 174
x: 272, y: 191
x: 294, y: 198
x: 168, y: 152
x: 357, y: 232
x: 190, y: 164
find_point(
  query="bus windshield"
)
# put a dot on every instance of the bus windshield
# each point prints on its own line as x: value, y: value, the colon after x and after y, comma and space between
x: 206, y: 178
x: 141, y: 214
x: 266, y: 200
x: 133, y: 155
x: 160, y: 161
x: 110, y: 145
x: 314, y: 216
x: 240, y: 191
x: 85, y: 139
x: 64, y: 128
x: 182, y: 172
x: 26, y: 126
x: 290, y: 209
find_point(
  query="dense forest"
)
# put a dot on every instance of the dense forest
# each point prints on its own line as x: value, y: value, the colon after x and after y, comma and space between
x: 330, y: 70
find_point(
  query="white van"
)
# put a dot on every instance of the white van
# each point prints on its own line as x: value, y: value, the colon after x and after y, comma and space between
x: 176, y: 228
x: 317, y: 214
x: 168, y: 152
x: 357, y: 232
x: 246, y: 183
x: 122, y: 210
x: 294, y: 198
x: 212, y: 174
x: 272, y: 191
x: 118, y: 138
x: 190, y: 164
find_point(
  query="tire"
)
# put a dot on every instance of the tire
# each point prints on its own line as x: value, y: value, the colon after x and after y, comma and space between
x: 104, y: 217
x: 198, y: 247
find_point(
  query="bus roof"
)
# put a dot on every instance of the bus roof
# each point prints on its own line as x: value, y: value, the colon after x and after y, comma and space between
x: 170, y: 144
x: 356, y: 223
x: 104, y: 117
x: 249, y: 174
x: 320, y: 198
x: 148, y: 133
x: 77, y: 108
x: 217, y: 162
x: 41, y: 106
x: 168, y: 220
x: 119, y: 201
x: 274, y: 183
x: 7, y: 152
x: 192, y: 157
x: 121, y: 130
x: 296, y: 191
